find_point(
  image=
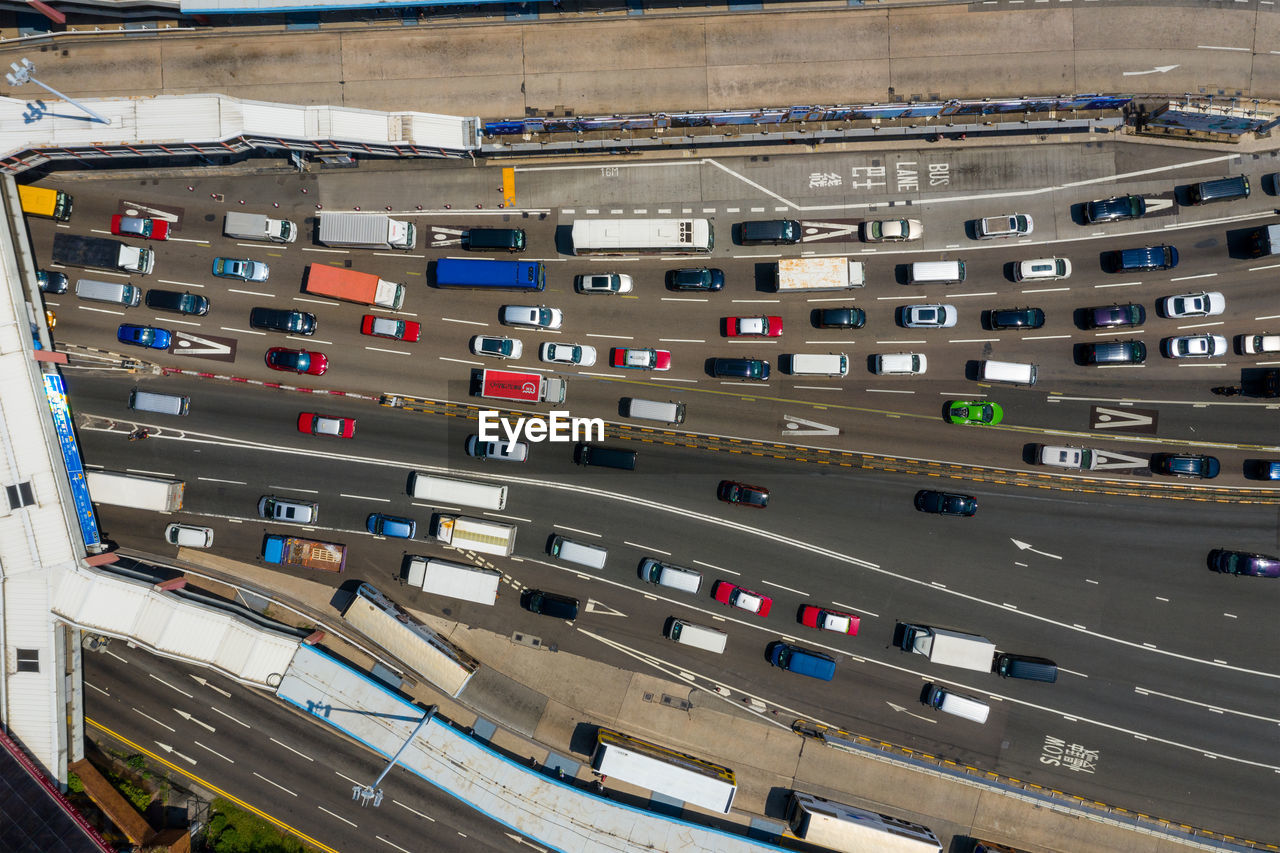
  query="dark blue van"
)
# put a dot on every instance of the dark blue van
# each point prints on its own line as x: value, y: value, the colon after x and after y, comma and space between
x: 801, y: 661
x: 1145, y: 259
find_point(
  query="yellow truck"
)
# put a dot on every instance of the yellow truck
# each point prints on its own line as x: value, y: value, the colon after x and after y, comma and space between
x: 42, y: 201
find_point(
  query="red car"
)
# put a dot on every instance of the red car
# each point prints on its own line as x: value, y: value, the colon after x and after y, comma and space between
x: 639, y: 358
x: 389, y: 327
x: 753, y: 327
x: 829, y: 620
x: 310, y: 422
x: 733, y: 492
x: 297, y: 361
x: 743, y: 599
x: 139, y: 226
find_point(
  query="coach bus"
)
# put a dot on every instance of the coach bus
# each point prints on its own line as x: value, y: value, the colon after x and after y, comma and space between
x: 493, y: 275
x: 643, y: 236
x: 849, y: 829
x: 42, y: 201
x: 664, y: 771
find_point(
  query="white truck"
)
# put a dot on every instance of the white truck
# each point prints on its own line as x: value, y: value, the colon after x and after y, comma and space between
x: 255, y: 226
x: 134, y: 490
x: 455, y: 580
x: 949, y: 648
x: 475, y: 534
x: 367, y: 231
x: 819, y: 274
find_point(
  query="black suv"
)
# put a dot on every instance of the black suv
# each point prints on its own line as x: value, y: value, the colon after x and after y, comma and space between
x: 172, y: 300
x: 1115, y: 209
x: 282, y: 320
x: 1185, y: 465
x: 1017, y: 318
x: 549, y: 604
x: 696, y: 278
x: 839, y: 318
x: 770, y: 232
x: 1113, y: 316
x: 740, y: 368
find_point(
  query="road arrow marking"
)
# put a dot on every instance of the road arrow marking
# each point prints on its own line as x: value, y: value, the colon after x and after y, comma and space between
x: 1023, y: 546
x: 1159, y: 69
x: 170, y: 749
x: 594, y: 606
x: 205, y: 683
x: 186, y: 343
x: 1129, y: 420
x: 792, y: 427
x: 520, y: 840
x: 190, y: 719
x: 1104, y: 461
x: 151, y: 212
x: 902, y: 710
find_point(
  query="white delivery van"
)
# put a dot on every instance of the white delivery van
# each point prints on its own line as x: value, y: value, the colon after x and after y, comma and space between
x: 953, y: 703
x: 936, y: 272
x: 591, y: 556
x: 1013, y: 372
x: 119, y: 293
x: 665, y: 574
x: 164, y: 404
x: 445, y: 491
x: 707, y: 639
x: 455, y: 580
x: 652, y: 410
x: 900, y: 363
x: 818, y: 364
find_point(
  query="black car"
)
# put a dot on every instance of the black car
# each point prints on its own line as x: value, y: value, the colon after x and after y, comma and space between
x: 1243, y: 563
x: 1114, y: 316
x: 740, y: 368
x: 549, y: 604
x: 1186, y: 465
x: 1146, y: 259
x: 696, y: 278
x: 1115, y: 352
x: 283, y: 320
x: 839, y: 318
x: 946, y: 503
x: 1116, y: 209
x: 172, y: 300
x: 51, y: 282
x: 1017, y: 318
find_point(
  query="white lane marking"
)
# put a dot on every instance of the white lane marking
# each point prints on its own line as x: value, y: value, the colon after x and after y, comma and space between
x: 787, y: 588
x: 338, y: 816
x: 217, y: 710
x: 415, y: 811
x: 1219, y: 709
x: 646, y: 547
x: 154, y: 720
x: 277, y: 784
x: 578, y: 530
x: 291, y: 749
x: 214, y: 751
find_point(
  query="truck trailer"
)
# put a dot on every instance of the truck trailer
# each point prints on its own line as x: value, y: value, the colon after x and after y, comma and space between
x: 305, y: 553
x: 134, y: 490
x: 455, y: 580
x: 76, y: 250
x: 1265, y: 241
x: 360, y: 287
x: 367, y: 231
x: 255, y: 226
x: 819, y: 274
x: 521, y: 387
x: 475, y: 534
x: 949, y: 648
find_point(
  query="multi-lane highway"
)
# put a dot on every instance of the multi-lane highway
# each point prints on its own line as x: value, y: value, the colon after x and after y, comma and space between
x: 1164, y: 664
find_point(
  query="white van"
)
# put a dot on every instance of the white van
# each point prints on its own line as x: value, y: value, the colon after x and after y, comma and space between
x: 164, y: 404
x: 189, y: 536
x: 954, y: 703
x: 936, y: 272
x: 707, y: 639
x: 120, y: 293
x: 455, y: 580
x: 900, y: 364
x: 665, y: 574
x: 652, y: 410
x: 444, y: 491
x: 1013, y: 372
x: 818, y: 364
x: 591, y: 556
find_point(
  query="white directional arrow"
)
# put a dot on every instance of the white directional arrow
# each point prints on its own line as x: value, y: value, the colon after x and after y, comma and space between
x: 594, y: 606
x: 521, y: 840
x: 136, y: 207
x: 205, y: 683
x: 1154, y: 204
x: 1023, y: 546
x: 1159, y: 69
x: 187, y: 343
x: 190, y: 719
x: 902, y: 710
x: 1103, y: 460
x: 792, y: 427
x: 1119, y: 419
x: 170, y: 749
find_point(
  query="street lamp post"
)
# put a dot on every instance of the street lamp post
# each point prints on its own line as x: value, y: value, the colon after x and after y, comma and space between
x: 367, y: 793
x: 23, y: 73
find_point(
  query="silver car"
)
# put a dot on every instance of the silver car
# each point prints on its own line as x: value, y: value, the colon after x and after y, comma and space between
x: 535, y: 316
x: 579, y: 354
x: 289, y: 511
x: 929, y: 316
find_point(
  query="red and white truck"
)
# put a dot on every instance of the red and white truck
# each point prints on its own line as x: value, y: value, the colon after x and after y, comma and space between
x: 521, y: 387
x: 351, y: 286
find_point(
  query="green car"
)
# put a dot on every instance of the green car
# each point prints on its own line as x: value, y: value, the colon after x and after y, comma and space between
x: 970, y: 412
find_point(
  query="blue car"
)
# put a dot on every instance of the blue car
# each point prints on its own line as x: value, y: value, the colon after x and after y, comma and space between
x: 144, y: 336
x: 380, y: 524
x: 243, y: 270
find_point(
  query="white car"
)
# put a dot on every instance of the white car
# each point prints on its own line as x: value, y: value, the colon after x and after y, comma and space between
x: 1254, y: 344
x: 1203, y: 304
x: 892, y: 230
x: 603, y: 283
x: 579, y: 354
x: 537, y: 316
x: 189, y: 536
x: 1042, y: 268
x: 497, y: 347
x: 929, y: 316
x: 507, y: 451
x: 1195, y: 346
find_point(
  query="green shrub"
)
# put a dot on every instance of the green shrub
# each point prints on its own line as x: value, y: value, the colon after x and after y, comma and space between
x: 74, y: 785
x: 233, y: 830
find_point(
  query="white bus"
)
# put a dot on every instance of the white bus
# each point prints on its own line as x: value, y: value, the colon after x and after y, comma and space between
x: 417, y: 646
x: 664, y: 771
x: 643, y: 236
x: 849, y: 829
